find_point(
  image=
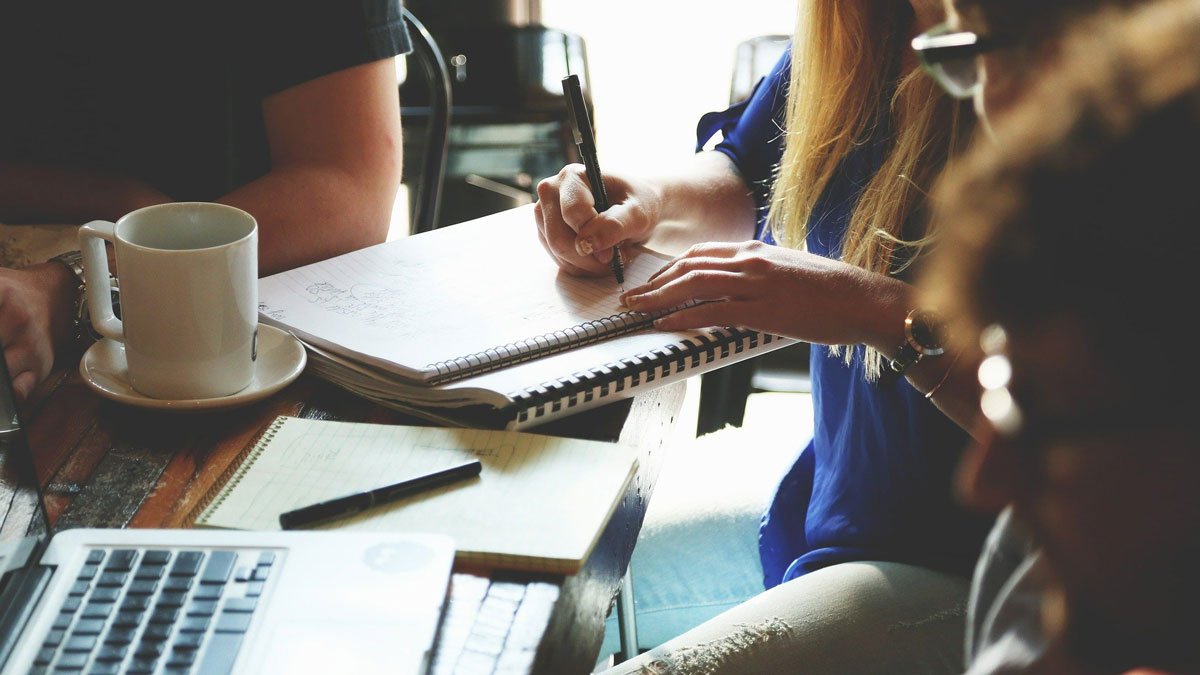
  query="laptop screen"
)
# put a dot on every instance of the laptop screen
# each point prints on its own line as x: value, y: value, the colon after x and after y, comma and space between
x: 21, y: 510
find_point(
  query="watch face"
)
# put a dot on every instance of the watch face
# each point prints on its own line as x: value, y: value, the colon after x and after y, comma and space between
x: 923, y: 334
x: 925, y: 329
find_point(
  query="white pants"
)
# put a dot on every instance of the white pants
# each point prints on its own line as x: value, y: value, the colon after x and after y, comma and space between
x: 868, y: 617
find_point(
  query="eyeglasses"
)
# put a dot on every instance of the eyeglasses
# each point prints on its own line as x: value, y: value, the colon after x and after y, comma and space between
x: 949, y: 57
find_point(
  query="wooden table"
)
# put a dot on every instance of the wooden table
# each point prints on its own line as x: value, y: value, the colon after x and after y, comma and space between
x: 106, y: 465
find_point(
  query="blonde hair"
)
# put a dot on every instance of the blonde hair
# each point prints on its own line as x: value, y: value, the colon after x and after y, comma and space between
x: 846, y: 62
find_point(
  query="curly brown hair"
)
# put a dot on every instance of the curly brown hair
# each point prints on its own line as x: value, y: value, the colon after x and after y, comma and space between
x: 1087, y: 205
x: 1028, y: 20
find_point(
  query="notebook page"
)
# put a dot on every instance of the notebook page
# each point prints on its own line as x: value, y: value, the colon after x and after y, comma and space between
x: 537, y: 497
x: 461, y: 290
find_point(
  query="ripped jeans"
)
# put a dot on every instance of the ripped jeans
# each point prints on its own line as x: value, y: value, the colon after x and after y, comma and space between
x: 864, y: 617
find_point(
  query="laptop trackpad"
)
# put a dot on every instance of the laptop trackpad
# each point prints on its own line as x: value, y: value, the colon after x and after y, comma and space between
x: 342, y: 647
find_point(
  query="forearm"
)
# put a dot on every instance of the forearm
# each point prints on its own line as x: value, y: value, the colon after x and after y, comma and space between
x: 43, y: 194
x: 958, y: 393
x: 705, y: 199
x: 307, y: 213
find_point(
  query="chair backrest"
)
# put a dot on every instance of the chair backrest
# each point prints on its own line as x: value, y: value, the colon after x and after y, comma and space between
x: 427, y: 197
x: 754, y: 60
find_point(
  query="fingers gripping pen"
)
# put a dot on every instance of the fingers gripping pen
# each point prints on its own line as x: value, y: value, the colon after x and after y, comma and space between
x: 585, y: 141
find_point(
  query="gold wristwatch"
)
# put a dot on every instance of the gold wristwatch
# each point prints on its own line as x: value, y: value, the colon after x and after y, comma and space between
x: 923, y: 336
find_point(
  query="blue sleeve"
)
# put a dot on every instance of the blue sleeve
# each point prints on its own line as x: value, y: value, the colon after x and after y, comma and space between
x: 752, y: 132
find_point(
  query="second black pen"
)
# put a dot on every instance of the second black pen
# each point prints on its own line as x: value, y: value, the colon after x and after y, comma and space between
x: 349, y: 505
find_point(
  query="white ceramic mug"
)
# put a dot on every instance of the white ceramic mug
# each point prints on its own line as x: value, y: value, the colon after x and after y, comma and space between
x: 189, y: 296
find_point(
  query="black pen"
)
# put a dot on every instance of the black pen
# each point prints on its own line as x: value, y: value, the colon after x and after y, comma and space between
x: 349, y: 505
x: 585, y: 140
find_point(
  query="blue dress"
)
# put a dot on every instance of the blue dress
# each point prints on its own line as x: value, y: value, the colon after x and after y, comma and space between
x: 875, y: 482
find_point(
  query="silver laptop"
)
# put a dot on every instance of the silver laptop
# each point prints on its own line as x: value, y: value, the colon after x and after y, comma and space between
x: 205, y: 601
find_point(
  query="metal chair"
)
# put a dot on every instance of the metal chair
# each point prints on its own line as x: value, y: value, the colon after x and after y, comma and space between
x: 427, y: 197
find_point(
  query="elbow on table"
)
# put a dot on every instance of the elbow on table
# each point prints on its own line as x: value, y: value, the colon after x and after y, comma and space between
x: 367, y: 203
x: 381, y: 185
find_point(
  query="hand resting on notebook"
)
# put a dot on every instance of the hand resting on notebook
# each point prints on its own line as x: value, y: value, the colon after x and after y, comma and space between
x: 776, y: 290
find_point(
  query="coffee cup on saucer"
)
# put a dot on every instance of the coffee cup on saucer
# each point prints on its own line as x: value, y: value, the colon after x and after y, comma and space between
x: 189, y: 296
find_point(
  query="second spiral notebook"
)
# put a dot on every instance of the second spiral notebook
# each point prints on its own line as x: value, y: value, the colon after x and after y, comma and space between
x: 478, y: 316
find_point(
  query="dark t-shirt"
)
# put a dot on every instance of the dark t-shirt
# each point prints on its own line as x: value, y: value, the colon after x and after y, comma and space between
x: 171, y: 92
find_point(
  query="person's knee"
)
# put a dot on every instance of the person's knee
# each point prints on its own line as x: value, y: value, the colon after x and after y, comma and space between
x: 883, y: 592
x: 848, y: 618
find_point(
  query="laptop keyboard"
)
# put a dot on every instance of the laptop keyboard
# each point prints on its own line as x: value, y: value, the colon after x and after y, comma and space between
x: 156, y: 611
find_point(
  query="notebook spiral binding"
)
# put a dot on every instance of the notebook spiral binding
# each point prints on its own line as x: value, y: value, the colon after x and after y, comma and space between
x: 543, y: 345
x: 232, y: 475
x: 599, y: 382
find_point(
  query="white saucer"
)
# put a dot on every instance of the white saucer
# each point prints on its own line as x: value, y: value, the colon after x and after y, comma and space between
x: 281, y: 359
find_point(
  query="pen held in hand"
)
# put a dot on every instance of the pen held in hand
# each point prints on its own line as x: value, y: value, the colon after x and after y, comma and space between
x: 585, y: 141
x: 342, y: 507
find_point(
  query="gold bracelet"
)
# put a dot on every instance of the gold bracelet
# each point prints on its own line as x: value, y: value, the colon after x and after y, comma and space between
x: 929, y: 394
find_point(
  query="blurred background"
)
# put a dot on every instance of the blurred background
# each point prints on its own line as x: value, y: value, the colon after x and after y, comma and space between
x: 656, y: 68
x: 650, y: 69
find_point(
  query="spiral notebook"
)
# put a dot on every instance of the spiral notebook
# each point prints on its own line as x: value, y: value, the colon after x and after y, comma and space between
x: 478, y: 315
x: 539, y: 504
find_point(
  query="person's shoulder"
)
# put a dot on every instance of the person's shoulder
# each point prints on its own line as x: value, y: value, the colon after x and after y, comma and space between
x: 294, y: 43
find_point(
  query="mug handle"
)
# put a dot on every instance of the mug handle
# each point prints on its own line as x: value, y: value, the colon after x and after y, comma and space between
x: 95, y: 274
